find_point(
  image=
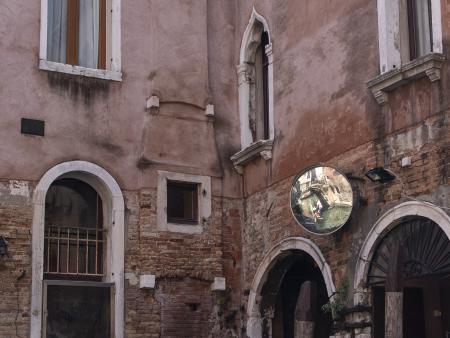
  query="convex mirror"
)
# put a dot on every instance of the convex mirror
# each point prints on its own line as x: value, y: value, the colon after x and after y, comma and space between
x: 321, y: 199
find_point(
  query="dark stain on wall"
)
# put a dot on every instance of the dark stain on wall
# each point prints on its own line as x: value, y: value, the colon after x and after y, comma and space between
x: 110, y: 147
x: 79, y: 87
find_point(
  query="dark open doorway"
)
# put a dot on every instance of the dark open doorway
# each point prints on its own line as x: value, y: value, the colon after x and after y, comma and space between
x: 281, y: 292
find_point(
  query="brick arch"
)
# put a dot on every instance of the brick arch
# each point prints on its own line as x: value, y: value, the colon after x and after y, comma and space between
x: 280, y: 250
x: 113, y: 201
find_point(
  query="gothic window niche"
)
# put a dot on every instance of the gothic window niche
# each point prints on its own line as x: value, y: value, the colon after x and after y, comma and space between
x: 255, y: 76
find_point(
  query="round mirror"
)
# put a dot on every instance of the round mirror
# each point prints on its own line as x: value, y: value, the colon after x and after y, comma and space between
x: 321, y: 199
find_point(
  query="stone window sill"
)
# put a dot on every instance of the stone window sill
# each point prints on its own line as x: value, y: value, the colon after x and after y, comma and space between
x: 261, y: 148
x: 77, y: 70
x: 429, y: 65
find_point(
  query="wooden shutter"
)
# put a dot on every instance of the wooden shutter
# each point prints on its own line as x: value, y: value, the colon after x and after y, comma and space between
x: 101, y: 64
x: 73, y: 19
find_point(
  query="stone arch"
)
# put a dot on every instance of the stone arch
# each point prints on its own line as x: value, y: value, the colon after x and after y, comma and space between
x: 254, y: 320
x: 386, y: 223
x: 249, y: 45
x: 113, y: 206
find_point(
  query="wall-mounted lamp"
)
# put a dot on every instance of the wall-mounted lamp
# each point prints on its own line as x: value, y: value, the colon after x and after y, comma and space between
x: 3, y: 247
x: 380, y: 175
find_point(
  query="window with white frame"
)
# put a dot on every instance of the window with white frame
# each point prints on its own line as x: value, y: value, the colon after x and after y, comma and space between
x: 74, y: 266
x: 81, y: 37
x: 408, y: 29
x: 255, y: 73
x: 183, y: 202
x: 255, y: 85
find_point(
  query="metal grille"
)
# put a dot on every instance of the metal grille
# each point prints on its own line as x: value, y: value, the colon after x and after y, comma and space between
x: 426, y: 251
x: 73, y: 251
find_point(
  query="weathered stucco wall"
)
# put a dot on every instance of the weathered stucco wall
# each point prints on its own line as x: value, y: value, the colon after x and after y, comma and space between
x: 164, y: 52
x: 183, y: 52
x: 324, y: 53
x: 186, y: 52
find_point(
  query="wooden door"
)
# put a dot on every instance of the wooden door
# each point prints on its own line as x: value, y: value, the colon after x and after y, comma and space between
x: 445, y: 305
x: 413, y: 313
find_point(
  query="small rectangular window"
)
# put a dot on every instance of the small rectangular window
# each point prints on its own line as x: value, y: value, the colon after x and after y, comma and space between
x: 76, y: 32
x: 182, y: 202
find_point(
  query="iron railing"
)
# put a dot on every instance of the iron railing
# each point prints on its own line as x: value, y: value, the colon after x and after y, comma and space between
x: 73, y: 251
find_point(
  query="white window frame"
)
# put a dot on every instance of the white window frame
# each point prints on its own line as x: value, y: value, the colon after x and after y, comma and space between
x: 390, y: 32
x: 113, y: 71
x: 244, y: 83
x: 114, y: 220
x: 204, y: 202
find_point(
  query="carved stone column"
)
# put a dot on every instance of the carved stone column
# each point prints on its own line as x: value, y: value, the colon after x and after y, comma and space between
x: 305, y: 311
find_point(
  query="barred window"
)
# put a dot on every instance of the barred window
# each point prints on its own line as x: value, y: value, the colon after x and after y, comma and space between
x: 74, y: 232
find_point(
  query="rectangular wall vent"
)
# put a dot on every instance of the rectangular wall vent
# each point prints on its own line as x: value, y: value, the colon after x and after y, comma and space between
x: 32, y: 127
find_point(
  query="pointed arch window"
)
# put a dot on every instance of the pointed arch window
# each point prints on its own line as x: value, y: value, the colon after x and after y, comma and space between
x: 255, y: 84
x: 259, y: 98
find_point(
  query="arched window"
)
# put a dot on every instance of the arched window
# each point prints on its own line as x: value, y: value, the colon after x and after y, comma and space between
x: 74, y: 250
x: 78, y: 253
x: 74, y: 238
x: 259, y: 95
x: 255, y: 83
x: 255, y: 76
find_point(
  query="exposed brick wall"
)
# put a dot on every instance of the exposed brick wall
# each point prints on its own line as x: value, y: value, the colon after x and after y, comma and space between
x: 185, y: 267
x: 186, y: 306
x: 268, y: 219
x: 15, y: 270
x: 142, y: 313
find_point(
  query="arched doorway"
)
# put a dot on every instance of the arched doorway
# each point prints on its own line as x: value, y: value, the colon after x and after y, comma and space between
x: 403, y: 267
x: 412, y: 262
x: 294, y: 292
x: 290, y: 286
